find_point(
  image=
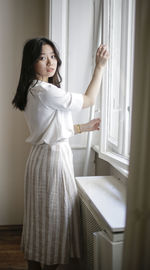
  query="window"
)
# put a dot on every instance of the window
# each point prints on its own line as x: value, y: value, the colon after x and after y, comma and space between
x: 110, y: 22
x: 116, y: 97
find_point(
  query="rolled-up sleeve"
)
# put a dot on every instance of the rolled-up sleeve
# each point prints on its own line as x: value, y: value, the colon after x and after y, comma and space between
x: 59, y: 99
x: 76, y: 101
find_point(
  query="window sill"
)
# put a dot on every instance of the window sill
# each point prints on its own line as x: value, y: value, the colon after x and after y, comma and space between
x: 120, y: 164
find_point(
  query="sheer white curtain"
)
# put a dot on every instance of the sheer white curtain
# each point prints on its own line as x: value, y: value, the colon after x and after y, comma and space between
x: 137, y: 234
x: 97, y: 40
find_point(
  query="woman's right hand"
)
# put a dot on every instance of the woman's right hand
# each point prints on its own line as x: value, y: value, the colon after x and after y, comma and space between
x: 102, y: 56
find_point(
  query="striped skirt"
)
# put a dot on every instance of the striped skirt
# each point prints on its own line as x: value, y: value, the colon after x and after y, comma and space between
x: 51, y: 229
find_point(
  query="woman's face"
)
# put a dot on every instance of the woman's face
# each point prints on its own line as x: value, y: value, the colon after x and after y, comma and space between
x: 46, y: 65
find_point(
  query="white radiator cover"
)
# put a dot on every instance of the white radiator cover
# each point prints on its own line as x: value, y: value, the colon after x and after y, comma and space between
x: 107, y: 253
x: 103, y: 209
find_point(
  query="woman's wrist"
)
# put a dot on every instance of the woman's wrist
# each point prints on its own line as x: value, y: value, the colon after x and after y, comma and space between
x: 78, y: 128
x: 98, y: 70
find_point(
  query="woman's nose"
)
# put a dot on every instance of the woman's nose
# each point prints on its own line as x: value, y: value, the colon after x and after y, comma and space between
x: 48, y: 61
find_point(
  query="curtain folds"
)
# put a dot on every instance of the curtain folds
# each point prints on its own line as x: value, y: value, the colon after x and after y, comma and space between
x: 137, y: 234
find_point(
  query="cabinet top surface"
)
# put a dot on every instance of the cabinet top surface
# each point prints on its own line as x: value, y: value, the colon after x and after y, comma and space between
x: 107, y: 196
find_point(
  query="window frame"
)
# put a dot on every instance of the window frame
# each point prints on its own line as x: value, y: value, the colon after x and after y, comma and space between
x: 119, y: 161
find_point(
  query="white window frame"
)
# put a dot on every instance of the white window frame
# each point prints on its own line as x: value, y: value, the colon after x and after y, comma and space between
x: 119, y: 160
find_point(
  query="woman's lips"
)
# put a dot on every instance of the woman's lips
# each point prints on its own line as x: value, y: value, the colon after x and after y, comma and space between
x: 50, y: 70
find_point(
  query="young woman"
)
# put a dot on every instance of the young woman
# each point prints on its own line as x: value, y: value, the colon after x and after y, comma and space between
x: 51, y: 229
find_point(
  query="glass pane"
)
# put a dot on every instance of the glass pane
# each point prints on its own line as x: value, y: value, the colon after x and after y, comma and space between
x: 114, y: 106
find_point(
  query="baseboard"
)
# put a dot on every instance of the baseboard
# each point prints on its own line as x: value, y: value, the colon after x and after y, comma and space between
x: 11, y: 227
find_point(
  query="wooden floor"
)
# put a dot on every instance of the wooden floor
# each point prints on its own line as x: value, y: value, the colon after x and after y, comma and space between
x: 11, y: 257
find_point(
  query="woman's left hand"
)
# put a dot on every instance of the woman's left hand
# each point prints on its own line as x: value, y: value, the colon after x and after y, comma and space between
x: 92, y: 125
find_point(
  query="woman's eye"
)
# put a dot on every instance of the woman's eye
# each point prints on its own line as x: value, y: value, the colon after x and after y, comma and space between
x: 42, y: 58
x: 53, y: 56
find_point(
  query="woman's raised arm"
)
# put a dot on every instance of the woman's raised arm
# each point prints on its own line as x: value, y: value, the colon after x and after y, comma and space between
x: 92, y: 91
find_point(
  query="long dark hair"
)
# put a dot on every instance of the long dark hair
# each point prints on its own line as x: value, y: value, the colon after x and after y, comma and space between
x: 31, y: 54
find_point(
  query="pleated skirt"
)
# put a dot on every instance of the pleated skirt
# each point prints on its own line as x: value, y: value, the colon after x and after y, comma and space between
x: 51, y: 227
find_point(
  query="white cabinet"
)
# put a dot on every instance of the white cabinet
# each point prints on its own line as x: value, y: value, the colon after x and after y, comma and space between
x: 107, y: 253
x: 103, y: 210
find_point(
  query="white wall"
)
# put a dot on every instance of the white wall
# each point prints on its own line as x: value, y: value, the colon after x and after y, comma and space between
x: 19, y: 20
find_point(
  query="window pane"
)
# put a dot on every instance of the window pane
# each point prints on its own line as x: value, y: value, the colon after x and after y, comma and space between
x: 118, y: 33
x: 114, y: 104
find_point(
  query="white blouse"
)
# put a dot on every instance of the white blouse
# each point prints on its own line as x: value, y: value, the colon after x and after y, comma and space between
x: 48, y: 113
